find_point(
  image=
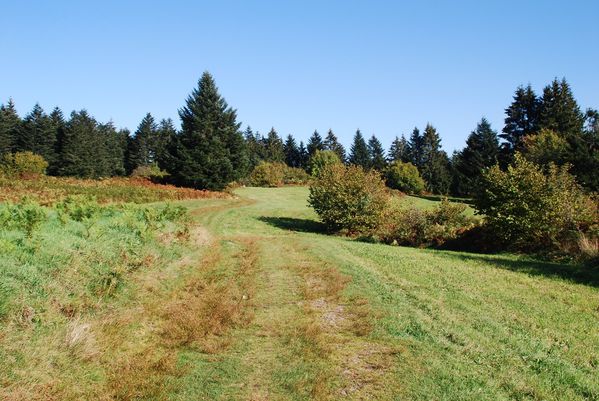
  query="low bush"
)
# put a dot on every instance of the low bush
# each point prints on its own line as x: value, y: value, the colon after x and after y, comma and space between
x: 532, y: 210
x: 416, y: 227
x: 23, y: 165
x: 349, y: 198
x: 295, y: 176
x: 26, y: 216
x: 268, y: 175
x: 404, y: 177
x: 151, y: 172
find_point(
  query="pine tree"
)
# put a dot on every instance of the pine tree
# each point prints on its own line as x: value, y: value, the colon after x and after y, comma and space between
x: 559, y: 111
x: 292, y: 152
x: 359, y: 151
x: 376, y: 154
x: 111, y: 156
x: 141, y: 148
x: 332, y: 143
x: 399, y: 150
x: 522, y: 119
x: 481, y: 152
x: 209, y: 152
x: 314, y: 143
x: 10, y: 126
x: 58, y: 124
x: 273, y: 147
x: 165, y: 133
x: 415, y: 148
x: 82, y: 147
x: 255, y: 147
x: 435, y: 163
x: 37, y: 135
x: 304, y: 156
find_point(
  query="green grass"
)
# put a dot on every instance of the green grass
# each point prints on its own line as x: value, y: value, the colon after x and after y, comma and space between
x: 307, y: 316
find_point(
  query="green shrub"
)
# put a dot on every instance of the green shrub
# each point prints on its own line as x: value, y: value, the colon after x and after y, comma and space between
x: 23, y: 164
x: 321, y: 159
x: 528, y: 209
x: 26, y: 216
x: 295, y: 176
x: 416, y: 227
x: 349, y: 198
x: 151, y: 172
x: 268, y: 174
x: 404, y: 177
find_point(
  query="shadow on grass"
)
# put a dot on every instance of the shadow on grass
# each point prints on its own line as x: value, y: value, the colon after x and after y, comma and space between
x: 295, y: 224
x: 580, y: 274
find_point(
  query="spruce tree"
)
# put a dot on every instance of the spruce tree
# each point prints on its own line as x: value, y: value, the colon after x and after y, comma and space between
x: 58, y: 124
x: 304, y: 156
x: 522, y: 119
x: 415, y: 148
x: 314, y: 143
x: 435, y: 163
x: 273, y: 147
x: 255, y: 147
x: 376, y: 154
x: 332, y: 143
x: 359, y: 151
x: 82, y: 148
x: 292, y: 152
x: 38, y: 135
x: 165, y: 133
x: 10, y: 126
x: 559, y: 111
x: 399, y: 150
x: 209, y: 152
x: 111, y: 155
x: 142, y: 147
x: 481, y: 152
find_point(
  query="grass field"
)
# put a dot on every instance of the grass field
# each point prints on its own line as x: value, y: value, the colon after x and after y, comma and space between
x: 259, y: 304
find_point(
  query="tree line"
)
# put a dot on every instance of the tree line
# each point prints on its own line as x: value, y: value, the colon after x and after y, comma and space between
x: 210, y: 150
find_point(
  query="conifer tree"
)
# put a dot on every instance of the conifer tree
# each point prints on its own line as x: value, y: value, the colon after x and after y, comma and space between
x: 165, y: 133
x: 399, y: 150
x: 559, y: 111
x: 332, y: 143
x: 37, y: 135
x: 481, y: 152
x: 522, y: 119
x: 376, y: 154
x: 304, y: 156
x: 359, y: 151
x: 273, y: 147
x: 209, y: 152
x: 58, y: 124
x: 111, y: 153
x: 82, y: 147
x: 142, y: 147
x: 435, y: 163
x: 255, y: 147
x: 314, y: 143
x: 415, y: 148
x: 10, y: 126
x: 292, y: 152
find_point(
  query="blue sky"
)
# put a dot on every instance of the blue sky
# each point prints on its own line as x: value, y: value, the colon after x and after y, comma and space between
x: 381, y: 66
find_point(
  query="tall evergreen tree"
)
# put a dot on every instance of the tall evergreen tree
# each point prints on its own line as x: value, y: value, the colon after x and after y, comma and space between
x: 111, y: 156
x: 165, y: 133
x: 332, y: 143
x: 435, y: 163
x: 376, y: 154
x: 273, y: 147
x: 292, y: 152
x: 359, y: 151
x: 82, y: 148
x: 209, y: 152
x: 37, y: 135
x: 58, y: 124
x: 399, y: 150
x: 522, y: 119
x: 481, y: 152
x: 415, y: 149
x: 142, y: 147
x: 304, y: 156
x: 255, y: 147
x: 314, y: 143
x: 10, y: 126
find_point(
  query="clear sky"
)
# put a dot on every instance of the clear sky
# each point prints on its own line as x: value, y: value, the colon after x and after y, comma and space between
x: 381, y: 66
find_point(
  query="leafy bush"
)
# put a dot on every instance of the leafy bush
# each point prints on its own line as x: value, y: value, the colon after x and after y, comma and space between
x: 23, y: 164
x: 349, y: 198
x: 404, y: 177
x: 321, y: 159
x: 268, y: 175
x: 151, y: 172
x: 530, y: 210
x: 295, y: 176
x: 416, y: 227
x: 545, y: 147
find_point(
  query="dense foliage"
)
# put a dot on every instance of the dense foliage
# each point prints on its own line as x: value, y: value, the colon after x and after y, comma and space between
x: 22, y: 165
x: 321, y: 159
x: 349, y: 198
x: 404, y: 177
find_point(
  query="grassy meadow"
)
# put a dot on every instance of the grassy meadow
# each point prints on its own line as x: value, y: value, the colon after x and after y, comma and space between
x: 249, y: 299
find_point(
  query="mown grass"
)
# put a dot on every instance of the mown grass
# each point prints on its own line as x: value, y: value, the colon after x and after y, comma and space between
x: 258, y: 303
